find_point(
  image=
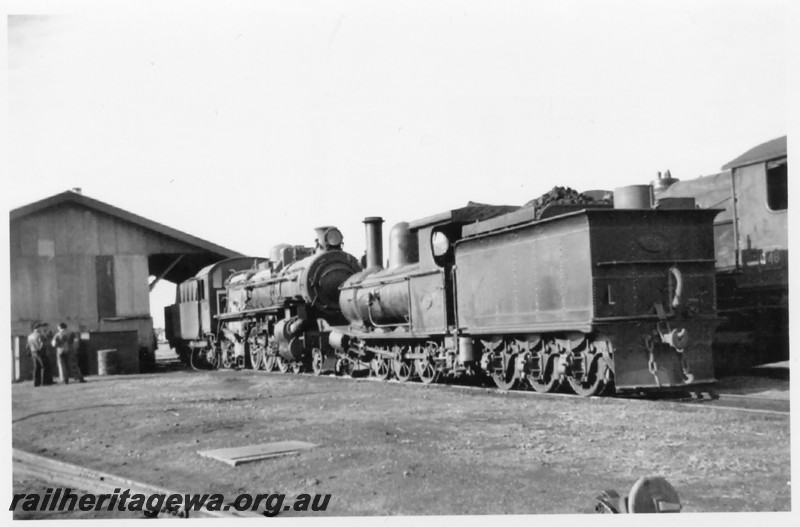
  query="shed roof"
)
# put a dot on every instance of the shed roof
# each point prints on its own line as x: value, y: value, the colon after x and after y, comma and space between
x: 768, y: 151
x: 207, y: 254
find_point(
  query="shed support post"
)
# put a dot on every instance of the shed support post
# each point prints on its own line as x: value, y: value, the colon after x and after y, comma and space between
x: 162, y: 275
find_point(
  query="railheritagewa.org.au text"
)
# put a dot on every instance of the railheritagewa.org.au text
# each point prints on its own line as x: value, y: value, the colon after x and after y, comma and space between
x: 150, y: 505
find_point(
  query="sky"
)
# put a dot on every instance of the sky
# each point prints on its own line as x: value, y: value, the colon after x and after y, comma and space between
x: 250, y: 123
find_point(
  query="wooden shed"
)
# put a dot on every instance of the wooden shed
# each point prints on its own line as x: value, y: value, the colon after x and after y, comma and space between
x: 79, y: 260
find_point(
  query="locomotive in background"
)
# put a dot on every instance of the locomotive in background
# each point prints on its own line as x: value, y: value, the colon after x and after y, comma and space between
x: 192, y: 320
x: 265, y: 312
x: 563, y: 291
x: 751, y: 250
x: 278, y: 316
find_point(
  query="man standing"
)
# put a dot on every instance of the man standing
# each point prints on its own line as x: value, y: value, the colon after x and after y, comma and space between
x: 37, y: 349
x: 66, y: 344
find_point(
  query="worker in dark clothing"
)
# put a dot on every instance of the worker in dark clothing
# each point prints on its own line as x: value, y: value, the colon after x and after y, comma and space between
x: 38, y: 348
x: 66, y: 344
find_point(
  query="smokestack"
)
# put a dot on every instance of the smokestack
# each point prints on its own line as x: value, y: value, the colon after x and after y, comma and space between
x: 374, y: 242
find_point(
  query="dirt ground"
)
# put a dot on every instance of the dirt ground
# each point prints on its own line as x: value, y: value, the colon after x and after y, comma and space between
x: 769, y: 382
x: 393, y: 449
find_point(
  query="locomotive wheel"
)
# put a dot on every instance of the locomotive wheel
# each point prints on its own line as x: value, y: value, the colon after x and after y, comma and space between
x: 225, y: 354
x: 346, y: 367
x: 257, y: 350
x: 505, y: 378
x: 502, y: 382
x: 339, y: 368
x: 359, y: 369
x: 225, y: 360
x: 316, y: 361
x: 381, y: 368
x: 283, y: 365
x: 298, y: 367
x: 270, y: 361
x: 549, y: 381
x: 257, y: 358
x: 403, y: 369
x: 595, y: 382
x: 427, y: 372
x: 549, y: 385
x: 203, y: 359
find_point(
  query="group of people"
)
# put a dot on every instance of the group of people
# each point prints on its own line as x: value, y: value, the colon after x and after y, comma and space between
x: 65, y: 342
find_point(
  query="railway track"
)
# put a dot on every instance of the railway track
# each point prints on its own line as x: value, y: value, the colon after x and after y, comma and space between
x: 708, y: 399
x: 742, y: 403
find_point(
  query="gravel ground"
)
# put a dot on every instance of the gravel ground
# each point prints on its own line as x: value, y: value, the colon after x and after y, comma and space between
x: 770, y: 382
x: 392, y: 449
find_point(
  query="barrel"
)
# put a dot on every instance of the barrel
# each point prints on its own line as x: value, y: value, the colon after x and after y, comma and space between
x: 106, y: 362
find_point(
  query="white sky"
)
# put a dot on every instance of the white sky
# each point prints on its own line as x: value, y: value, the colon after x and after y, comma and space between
x: 250, y: 125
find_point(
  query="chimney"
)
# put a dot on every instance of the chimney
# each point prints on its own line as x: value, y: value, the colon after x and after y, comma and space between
x: 374, y: 242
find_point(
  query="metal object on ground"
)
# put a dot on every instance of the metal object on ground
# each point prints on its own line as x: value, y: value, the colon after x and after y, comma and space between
x: 238, y: 455
x: 648, y: 495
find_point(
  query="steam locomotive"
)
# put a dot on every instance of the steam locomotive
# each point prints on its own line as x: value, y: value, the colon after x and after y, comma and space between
x: 752, y: 252
x: 576, y: 293
x: 567, y: 290
x: 270, y: 314
x: 191, y: 323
